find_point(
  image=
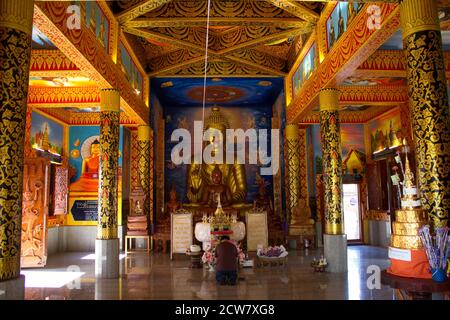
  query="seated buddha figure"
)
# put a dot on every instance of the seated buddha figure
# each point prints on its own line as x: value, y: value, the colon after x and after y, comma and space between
x: 301, y: 214
x: 216, y: 190
x: 199, y: 176
x: 88, y: 180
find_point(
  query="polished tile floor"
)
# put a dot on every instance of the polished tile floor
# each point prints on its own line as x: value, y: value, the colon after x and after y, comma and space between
x: 155, y: 276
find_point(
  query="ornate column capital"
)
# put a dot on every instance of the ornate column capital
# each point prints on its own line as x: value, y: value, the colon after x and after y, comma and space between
x: 17, y: 14
x: 144, y: 133
x: 418, y: 15
x: 109, y: 100
x: 292, y: 131
x: 329, y: 99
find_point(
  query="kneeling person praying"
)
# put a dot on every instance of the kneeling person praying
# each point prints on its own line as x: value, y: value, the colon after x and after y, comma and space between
x: 226, y: 263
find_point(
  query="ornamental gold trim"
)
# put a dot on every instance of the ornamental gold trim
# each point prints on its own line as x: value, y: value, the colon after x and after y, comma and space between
x: 109, y: 100
x: 292, y: 131
x: 329, y: 99
x: 335, y: 229
x: 9, y: 267
x: 406, y: 229
x: 411, y: 216
x: 418, y: 15
x: 406, y: 242
x: 144, y: 133
x: 17, y: 14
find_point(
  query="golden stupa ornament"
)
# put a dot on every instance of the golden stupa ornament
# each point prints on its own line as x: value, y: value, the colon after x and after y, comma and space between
x: 410, y: 198
x: 220, y: 221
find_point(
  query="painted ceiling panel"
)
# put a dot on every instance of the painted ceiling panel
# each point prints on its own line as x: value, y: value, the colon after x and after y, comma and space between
x: 225, y: 92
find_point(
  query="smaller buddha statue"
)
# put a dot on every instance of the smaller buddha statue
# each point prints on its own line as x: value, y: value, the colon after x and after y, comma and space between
x: 138, y: 209
x: 301, y: 214
x: 172, y: 205
x: 215, y: 190
x: 88, y: 180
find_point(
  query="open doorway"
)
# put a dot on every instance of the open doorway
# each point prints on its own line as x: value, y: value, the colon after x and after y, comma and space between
x: 352, y: 213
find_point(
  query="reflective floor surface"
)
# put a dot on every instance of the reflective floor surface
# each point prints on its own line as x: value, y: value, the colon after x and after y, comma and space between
x: 71, y: 276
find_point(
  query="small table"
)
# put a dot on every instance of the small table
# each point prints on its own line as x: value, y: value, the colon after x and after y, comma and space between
x: 129, y: 244
x: 416, y: 289
x: 195, y: 259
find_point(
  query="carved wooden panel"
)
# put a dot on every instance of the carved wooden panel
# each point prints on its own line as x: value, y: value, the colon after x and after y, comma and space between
x: 61, y: 190
x: 36, y: 174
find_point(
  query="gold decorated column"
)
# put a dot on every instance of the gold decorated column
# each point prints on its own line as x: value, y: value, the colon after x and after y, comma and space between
x: 293, y: 168
x: 144, y: 149
x: 16, y: 18
x: 331, y: 161
x: 109, y: 162
x: 429, y: 104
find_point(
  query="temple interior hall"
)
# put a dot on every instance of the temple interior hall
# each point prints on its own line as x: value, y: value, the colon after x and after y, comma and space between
x: 138, y: 135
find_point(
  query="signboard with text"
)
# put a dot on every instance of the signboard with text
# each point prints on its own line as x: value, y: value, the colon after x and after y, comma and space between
x: 257, y: 234
x: 181, y: 233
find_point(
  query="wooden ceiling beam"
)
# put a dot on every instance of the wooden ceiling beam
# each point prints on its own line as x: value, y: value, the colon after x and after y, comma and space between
x: 140, y: 9
x: 307, y: 28
x: 215, y: 21
x: 147, y: 34
x: 255, y: 65
x: 296, y: 9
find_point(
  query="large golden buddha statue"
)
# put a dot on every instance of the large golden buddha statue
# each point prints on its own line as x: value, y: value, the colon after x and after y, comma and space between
x: 200, y: 177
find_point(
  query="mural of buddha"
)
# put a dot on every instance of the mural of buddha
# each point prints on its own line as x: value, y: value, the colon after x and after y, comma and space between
x: 88, y: 180
x: 200, y: 177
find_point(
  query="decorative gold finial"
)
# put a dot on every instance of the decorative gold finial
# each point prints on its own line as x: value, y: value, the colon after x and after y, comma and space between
x: 409, y: 176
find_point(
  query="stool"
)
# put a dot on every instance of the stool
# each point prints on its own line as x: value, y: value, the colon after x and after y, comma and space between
x: 129, y: 244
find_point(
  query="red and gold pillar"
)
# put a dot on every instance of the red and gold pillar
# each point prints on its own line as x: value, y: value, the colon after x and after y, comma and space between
x: 293, y: 168
x: 332, y: 161
x: 144, y: 150
x: 16, y: 19
x: 429, y: 105
x: 335, y: 241
x: 107, y: 242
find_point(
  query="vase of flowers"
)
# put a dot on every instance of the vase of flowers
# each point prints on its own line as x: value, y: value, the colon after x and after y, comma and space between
x: 209, y: 257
